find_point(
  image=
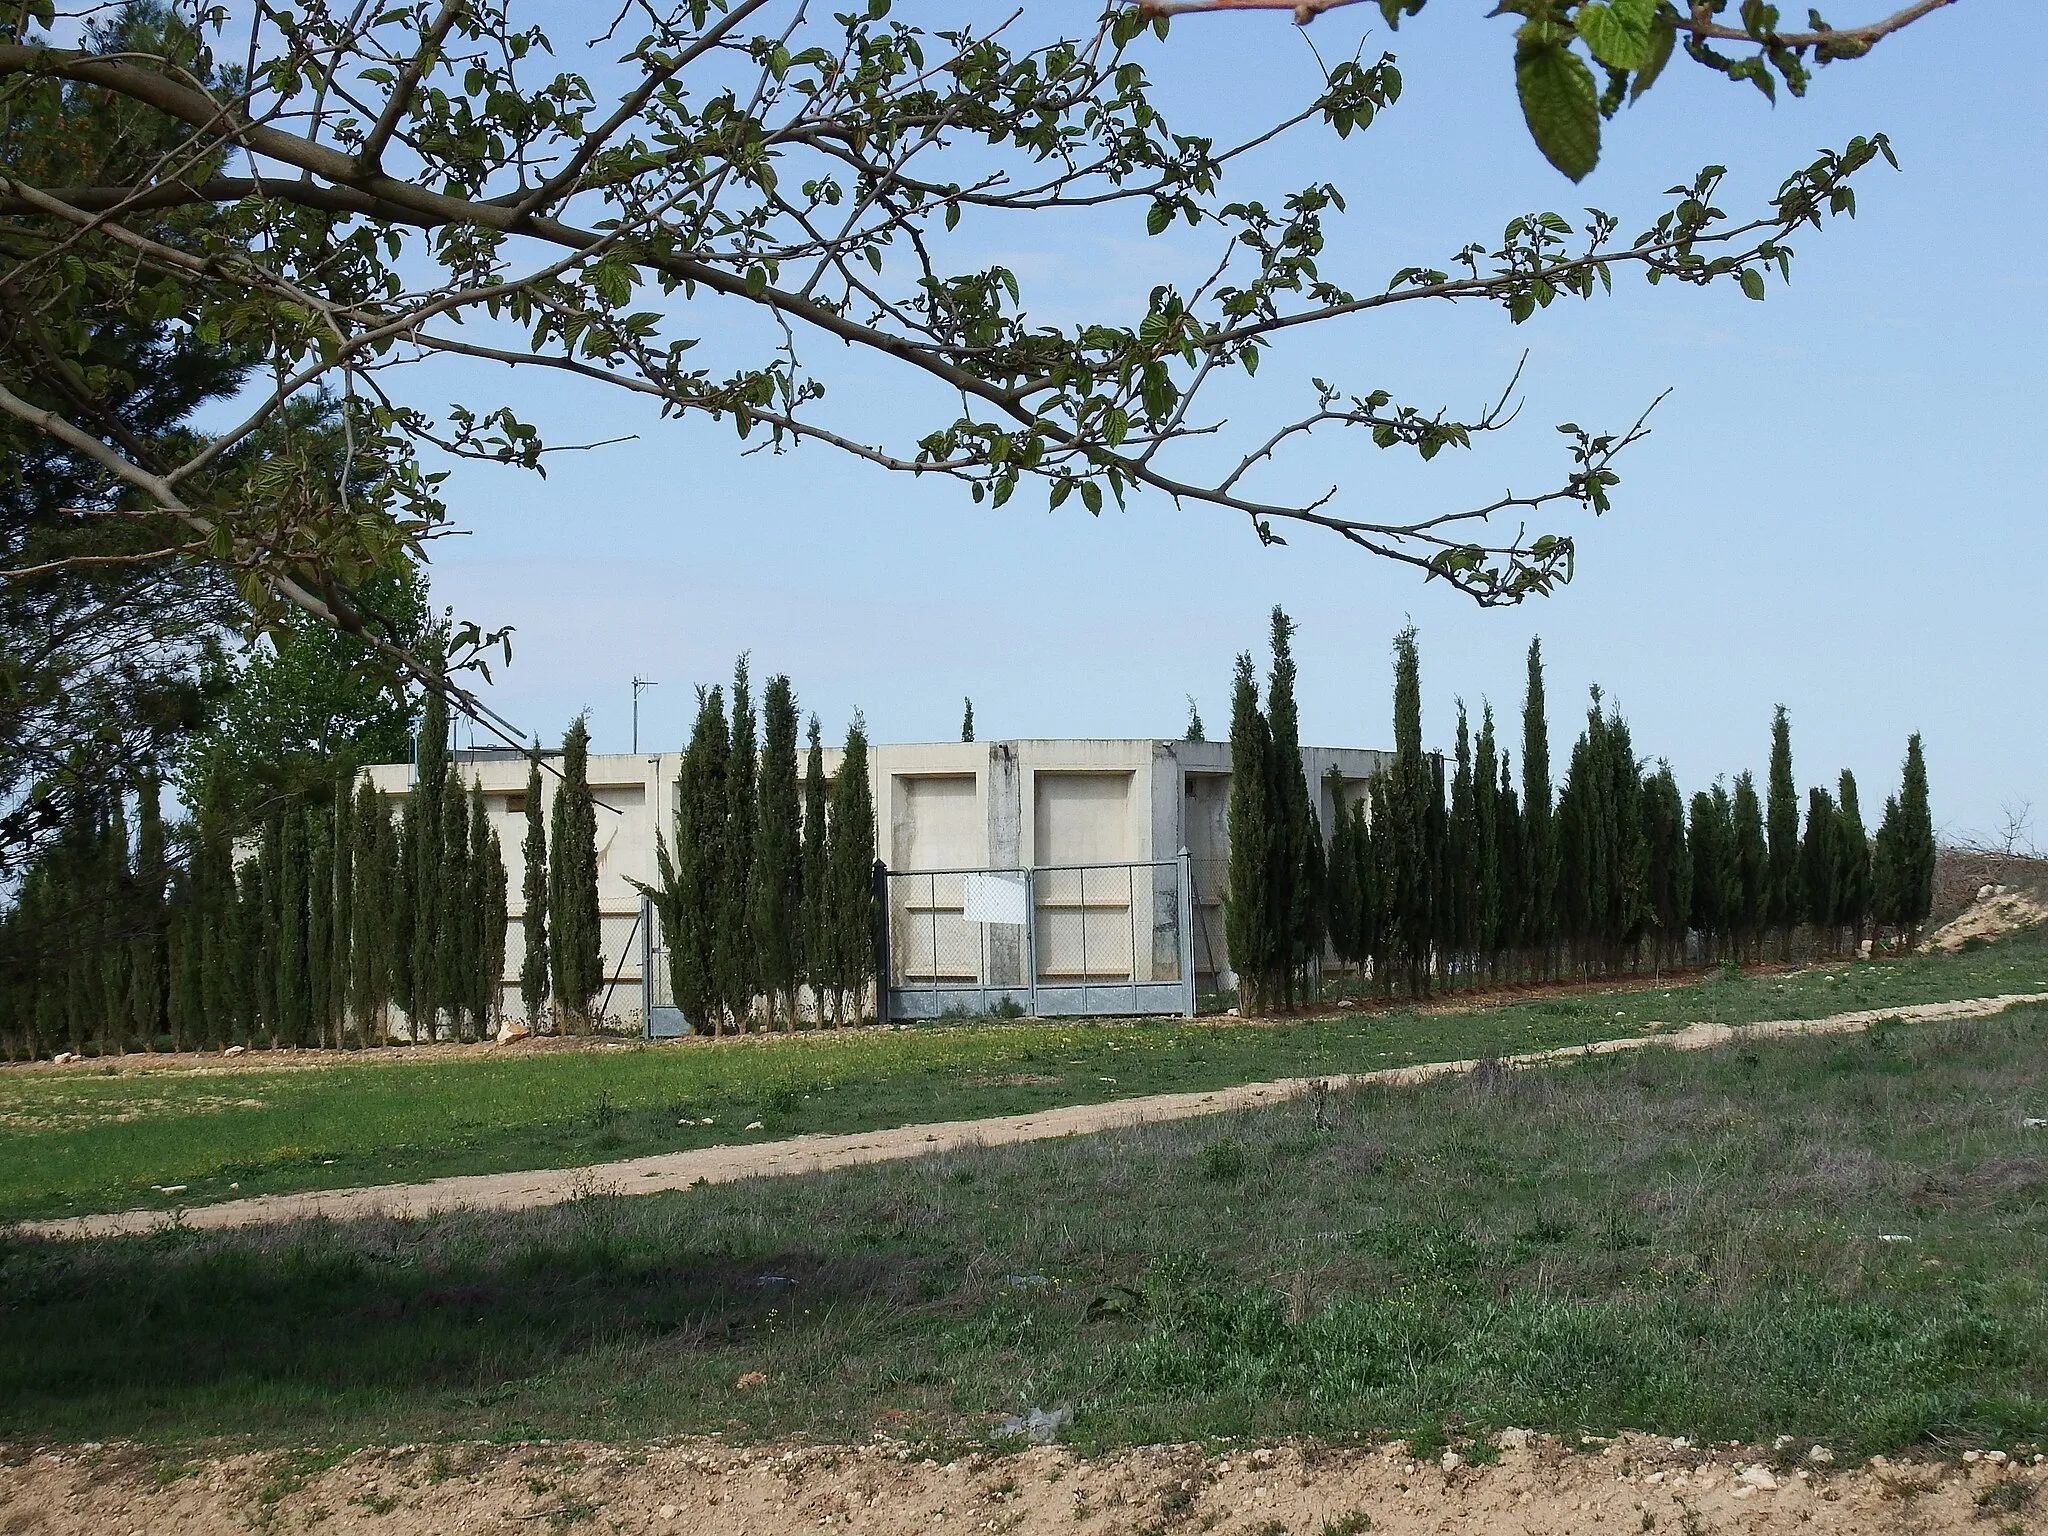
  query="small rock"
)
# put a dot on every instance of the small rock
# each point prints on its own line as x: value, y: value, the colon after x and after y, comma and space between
x: 63, y: 1058
x: 1996, y: 1458
x: 2034, y: 1123
x: 1893, y: 1237
x: 1231, y: 1013
x: 170, y: 1189
x: 1974, y: 1455
x: 1038, y: 1425
x: 1452, y: 1461
x: 667, y: 1512
x: 1820, y: 1455
x: 1781, y: 1442
x: 508, y: 1032
x: 1757, y: 1475
x: 234, y: 1050
x: 1262, y: 1458
x: 754, y: 1125
x: 1514, y: 1439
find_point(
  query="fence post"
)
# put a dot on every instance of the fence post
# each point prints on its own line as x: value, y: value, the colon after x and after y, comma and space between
x: 1031, y: 936
x: 1187, y: 934
x: 881, y: 942
x: 646, y: 970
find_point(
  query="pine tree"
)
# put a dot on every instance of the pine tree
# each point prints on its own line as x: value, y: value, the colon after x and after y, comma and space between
x: 1917, y: 851
x: 1538, y: 921
x: 817, y: 904
x: 1251, y: 926
x: 967, y: 722
x: 733, y: 957
x: 777, y: 872
x: 533, y: 965
x: 1749, y: 861
x: 1852, y: 866
x: 487, y: 904
x: 850, y: 857
x: 1784, y: 903
x: 575, y: 936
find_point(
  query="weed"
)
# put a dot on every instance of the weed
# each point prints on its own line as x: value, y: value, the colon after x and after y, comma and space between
x: 1273, y: 1528
x: 164, y: 1473
x: 376, y: 1503
x: 1223, y: 1158
x: 571, y: 1509
x: 439, y: 1467
x: 2007, y: 1496
x: 1350, y: 1523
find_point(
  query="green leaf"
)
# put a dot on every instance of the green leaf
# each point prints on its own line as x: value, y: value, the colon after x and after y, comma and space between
x: 1158, y: 216
x: 1617, y: 31
x: 1662, y: 38
x: 1753, y: 283
x: 1560, y: 105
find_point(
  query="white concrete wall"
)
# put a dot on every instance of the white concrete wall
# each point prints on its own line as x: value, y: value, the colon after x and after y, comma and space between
x: 938, y: 805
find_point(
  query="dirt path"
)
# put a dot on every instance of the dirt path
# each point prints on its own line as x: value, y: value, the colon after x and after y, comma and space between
x: 1536, y: 1487
x: 814, y: 1154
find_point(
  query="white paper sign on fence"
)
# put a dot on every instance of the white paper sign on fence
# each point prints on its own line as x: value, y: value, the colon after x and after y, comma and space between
x: 995, y: 899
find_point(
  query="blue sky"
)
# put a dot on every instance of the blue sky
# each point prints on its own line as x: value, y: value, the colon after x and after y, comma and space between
x: 1841, y: 508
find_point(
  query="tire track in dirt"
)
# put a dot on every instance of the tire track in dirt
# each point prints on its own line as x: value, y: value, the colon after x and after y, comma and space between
x: 819, y: 1153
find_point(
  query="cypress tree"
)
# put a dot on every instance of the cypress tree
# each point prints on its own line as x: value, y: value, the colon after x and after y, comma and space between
x: 373, y: 923
x: 1341, y: 893
x: 150, y: 951
x: 1539, y: 845
x: 533, y: 888
x: 733, y: 957
x: 817, y: 904
x: 319, y: 925
x: 258, y: 963
x: 1784, y: 904
x: 425, y: 823
x: 396, y: 934
x: 1461, y: 854
x: 1852, y: 867
x: 487, y: 906
x: 1917, y: 851
x: 850, y: 857
x: 1405, y: 842
x: 1887, y: 905
x: 698, y: 871
x: 1296, y: 872
x: 294, y: 1002
x: 1706, y: 836
x: 343, y: 844
x: 456, y: 940
x: 1196, y: 731
x: 1671, y: 870
x: 575, y: 938
x: 967, y: 722
x: 1750, y: 868
x: 223, y: 974
x: 1817, y: 861
x: 187, y: 994
x: 1508, y: 843
x: 1371, y: 942
x: 1485, y: 857
x: 1251, y: 926
x: 777, y: 871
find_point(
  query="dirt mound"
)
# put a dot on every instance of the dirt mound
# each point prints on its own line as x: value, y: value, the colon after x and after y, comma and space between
x: 1997, y: 909
x: 1536, y: 1485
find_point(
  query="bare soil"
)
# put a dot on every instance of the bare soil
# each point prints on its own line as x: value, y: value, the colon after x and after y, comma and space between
x: 1536, y: 1487
x: 2001, y: 910
x: 817, y: 1153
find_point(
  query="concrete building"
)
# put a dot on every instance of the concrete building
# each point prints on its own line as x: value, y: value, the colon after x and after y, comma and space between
x: 945, y: 806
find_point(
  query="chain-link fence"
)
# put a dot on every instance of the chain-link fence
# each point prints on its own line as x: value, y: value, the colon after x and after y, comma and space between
x: 1059, y: 939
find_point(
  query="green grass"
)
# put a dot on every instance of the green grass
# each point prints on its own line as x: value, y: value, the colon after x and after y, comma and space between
x: 80, y: 1141
x: 1685, y: 1243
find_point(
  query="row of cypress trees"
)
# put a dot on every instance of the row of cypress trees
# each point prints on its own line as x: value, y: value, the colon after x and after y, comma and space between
x: 1446, y: 873
x: 766, y: 891
x: 561, y: 972
x: 333, y: 918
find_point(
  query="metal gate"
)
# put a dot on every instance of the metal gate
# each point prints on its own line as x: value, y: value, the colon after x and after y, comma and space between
x: 660, y: 1017
x: 1067, y: 939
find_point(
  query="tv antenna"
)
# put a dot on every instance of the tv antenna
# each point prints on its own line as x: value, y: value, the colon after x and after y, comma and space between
x: 639, y: 684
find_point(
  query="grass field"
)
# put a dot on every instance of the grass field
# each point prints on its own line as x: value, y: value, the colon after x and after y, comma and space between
x: 115, y: 1137
x: 1843, y: 1238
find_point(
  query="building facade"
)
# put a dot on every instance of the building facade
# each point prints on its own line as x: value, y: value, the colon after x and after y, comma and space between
x: 983, y: 805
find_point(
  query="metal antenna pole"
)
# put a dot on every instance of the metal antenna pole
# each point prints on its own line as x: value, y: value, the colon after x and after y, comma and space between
x: 639, y: 683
